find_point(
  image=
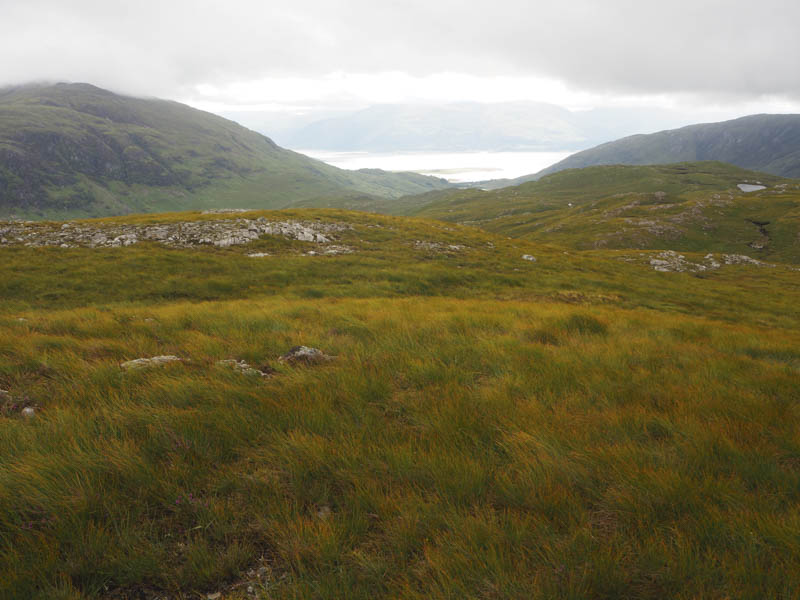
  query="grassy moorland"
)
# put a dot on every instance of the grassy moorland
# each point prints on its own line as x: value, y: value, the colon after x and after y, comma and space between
x: 692, y: 207
x: 576, y: 427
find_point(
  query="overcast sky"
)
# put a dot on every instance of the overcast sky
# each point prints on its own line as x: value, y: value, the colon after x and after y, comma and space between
x: 738, y: 55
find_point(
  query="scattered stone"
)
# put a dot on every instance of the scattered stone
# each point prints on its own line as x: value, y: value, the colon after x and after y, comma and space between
x: 712, y: 262
x: 330, y: 251
x: 259, y: 254
x: 324, y: 512
x: 143, y: 363
x: 223, y: 211
x: 214, y: 596
x: 529, y: 257
x: 670, y: 261
x: 305, y: 355
x: 245, y: 369
x: 741, y: 259
x: 28, y: 412
x: 437, y: 246
x: 221, y: 233
x: 338, y: 250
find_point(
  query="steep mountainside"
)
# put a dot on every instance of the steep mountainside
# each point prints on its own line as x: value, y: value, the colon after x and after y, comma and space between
x: 74, y: 149
x: 685, y: 207
x: 768, y: 143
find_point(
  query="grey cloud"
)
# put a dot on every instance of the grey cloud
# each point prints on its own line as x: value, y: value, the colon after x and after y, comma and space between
x: 724, y: 47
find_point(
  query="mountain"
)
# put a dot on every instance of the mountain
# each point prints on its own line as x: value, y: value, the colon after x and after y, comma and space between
x: 465, y: 126
x: 686, y: 207
x: 767, y: 143
x: 78, y: 150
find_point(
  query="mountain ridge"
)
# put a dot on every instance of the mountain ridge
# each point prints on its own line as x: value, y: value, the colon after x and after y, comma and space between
x: 78, y: 150
x: 764, y: 142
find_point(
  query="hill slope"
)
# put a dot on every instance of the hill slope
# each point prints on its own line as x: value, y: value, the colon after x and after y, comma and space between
x: 767, y: 143
x: 578, y: 426
x: 74, y: 149
x: 686, y: 207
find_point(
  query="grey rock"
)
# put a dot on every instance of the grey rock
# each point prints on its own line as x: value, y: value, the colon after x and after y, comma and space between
x: 244, y: 368
x: 143, y: 363
x: 303, y: 355
x: 28, y: 412
x: 222, y: 233
x: 529, y: 257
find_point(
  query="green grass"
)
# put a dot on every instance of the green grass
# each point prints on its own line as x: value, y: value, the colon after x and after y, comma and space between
x: 691, y: 207
x: 578, y: 427
x: 74, y: 150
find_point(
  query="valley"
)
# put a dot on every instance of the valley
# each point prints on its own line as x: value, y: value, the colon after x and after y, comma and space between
x: 582, y: 386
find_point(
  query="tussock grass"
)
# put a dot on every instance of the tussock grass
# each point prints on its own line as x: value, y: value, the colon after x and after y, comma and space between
x: 456, y: 456
x: 482, y: 442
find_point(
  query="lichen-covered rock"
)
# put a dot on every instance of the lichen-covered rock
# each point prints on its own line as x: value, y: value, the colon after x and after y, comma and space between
x: 670, y: 261
x: 143, y: 363
x: 303, y: 355
x: 221, y: 233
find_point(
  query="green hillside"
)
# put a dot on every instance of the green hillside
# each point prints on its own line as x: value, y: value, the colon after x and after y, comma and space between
x: 71, y: 150
x: 685, y: 207
x: 767, y: 143
x: 580, y: 425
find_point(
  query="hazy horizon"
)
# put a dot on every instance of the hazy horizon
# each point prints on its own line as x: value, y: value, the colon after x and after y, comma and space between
x: 306, y: 62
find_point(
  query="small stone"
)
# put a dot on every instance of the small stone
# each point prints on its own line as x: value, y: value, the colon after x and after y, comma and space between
x: 244, y: 368
x: 28, y: 412
x: 305, y: 355
x: 214, y: 596
x: 324, y: 512
x: 529, y: 257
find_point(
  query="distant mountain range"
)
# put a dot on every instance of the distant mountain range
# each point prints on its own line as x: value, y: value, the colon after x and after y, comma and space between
x: 767, y: 143
x: 70, y: 150
x: 464, y: 126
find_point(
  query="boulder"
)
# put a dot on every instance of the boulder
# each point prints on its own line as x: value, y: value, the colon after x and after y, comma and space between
x: 304, y: 355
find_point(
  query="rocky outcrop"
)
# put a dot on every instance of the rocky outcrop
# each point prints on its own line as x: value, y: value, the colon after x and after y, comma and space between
x: 670, y: 261
x: 220, y: 233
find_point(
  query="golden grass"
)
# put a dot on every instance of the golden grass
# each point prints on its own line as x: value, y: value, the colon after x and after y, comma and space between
x: 630, y: 454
